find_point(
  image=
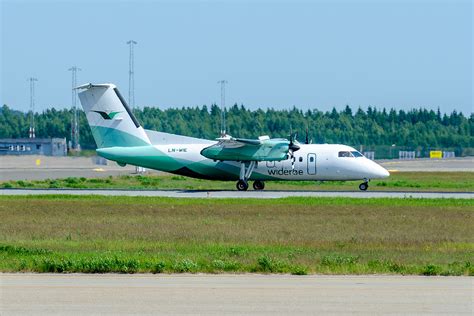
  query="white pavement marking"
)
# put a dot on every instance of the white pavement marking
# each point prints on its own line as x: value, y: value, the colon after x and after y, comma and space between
x: 41, y: 294
x: 239, y: 194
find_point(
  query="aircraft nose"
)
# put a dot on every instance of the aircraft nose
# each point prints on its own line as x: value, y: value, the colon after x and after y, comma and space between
x: 381, y: 172
x: 375, y: 171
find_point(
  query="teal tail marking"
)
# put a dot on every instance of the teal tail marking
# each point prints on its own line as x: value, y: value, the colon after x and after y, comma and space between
x: 107, y: 116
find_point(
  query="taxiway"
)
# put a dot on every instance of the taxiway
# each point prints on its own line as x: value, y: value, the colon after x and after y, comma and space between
x: 63, y: 294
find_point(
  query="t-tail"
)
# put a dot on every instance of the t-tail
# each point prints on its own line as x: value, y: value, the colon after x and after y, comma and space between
x: 110, y: 118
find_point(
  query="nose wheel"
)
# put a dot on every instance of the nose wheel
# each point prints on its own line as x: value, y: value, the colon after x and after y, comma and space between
x: 363, y: 186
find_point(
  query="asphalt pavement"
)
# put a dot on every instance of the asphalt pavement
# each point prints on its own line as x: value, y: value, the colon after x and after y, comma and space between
x: 42, y: 167
x: 248, y: 294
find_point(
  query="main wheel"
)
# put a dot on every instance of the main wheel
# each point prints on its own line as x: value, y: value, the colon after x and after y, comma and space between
x: 258, y: 185
x: 242, y: 185
x: 363, y: 186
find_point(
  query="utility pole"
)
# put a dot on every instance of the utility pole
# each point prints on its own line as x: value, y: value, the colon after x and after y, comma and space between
x: 32, y: 107
x: 223, y: 124
x: 131, y: 86
x: 131, y: 75
x: 74, y: 123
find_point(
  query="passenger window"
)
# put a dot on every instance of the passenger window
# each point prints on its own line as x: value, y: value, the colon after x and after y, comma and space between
x: 300, y: 159
x: 345, y: 154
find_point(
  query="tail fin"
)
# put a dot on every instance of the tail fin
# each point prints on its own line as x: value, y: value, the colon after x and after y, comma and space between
x: 111, y: 120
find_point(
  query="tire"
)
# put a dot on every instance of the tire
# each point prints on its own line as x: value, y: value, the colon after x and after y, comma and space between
x: 258, y: 185
x: 363, y: 186
x: 242, y: 185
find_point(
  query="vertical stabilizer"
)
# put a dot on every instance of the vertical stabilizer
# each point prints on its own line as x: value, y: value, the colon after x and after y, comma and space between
x: 110, y: 118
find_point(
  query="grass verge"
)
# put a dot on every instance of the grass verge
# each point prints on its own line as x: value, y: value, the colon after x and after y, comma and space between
x: 95, y: 234
x: 400, y: 181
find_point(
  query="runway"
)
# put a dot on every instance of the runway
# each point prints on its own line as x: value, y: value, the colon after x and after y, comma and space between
x: 241, y: 194
x: 42, y: 167
x: 62, y: 294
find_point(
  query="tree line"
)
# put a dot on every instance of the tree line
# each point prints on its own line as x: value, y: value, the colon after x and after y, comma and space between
x: 416, y: 129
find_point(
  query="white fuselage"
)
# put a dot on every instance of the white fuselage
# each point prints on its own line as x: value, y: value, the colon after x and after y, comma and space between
x: 312, y: 162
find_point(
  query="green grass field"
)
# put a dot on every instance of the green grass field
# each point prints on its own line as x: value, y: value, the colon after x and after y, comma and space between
x: 96, y: 234
x: 399, y: 181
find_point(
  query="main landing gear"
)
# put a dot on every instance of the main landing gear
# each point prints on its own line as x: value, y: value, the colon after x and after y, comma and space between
x: 244, y: 185
x: 364, y: 185
x: 245, y: 173
x: 258, y: 185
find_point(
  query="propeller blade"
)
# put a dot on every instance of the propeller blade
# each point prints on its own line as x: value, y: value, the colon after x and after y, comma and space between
x: 292, y: 159
x: 293, y: 147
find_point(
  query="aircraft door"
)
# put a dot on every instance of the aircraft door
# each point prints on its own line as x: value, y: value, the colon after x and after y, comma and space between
x: 311, y: 163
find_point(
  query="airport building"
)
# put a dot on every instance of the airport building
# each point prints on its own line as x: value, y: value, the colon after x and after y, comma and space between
x: 33, y: 146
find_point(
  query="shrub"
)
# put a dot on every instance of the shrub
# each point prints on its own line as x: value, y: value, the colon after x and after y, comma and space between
x: 53, y: 184
x: 299, y: 270
x: 218, y: 264
x: 24, y: 184
x: 185, y: 265
x: 71, y: 180
x: 431, y: 269
x: 158, y: 267
x: 267, y: 264
x: 395, y: 267
x: 50, y: 265
x: 23, y: 251
x: 7, y: 185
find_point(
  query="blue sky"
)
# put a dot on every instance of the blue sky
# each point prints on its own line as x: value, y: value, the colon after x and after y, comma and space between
x: 309, y: 54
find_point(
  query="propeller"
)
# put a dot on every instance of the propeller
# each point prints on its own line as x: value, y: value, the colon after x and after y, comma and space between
x: 292, y: 147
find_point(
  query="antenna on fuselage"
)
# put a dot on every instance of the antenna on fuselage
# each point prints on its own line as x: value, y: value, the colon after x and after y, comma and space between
x: 223, y: 124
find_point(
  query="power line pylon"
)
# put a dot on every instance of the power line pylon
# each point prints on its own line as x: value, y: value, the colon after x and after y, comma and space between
x: 31, y: 132
x: 131, y: 75
x: 223, y: 122
x: 74, y: 123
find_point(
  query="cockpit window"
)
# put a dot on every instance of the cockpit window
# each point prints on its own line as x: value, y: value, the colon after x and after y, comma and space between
x: 357, y: 154
x: 345, y: 154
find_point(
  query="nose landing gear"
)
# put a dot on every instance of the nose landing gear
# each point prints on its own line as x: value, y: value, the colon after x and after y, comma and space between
x: 364, y: 186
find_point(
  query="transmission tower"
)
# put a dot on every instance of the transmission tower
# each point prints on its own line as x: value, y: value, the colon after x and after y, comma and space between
x: 223, y: 124
x: 131, y: 86
x: 74, y: 122
x: 31, y: 132
x: 131, y: 75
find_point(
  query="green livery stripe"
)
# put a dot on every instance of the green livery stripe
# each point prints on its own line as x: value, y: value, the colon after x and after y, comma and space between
x: 144, y: 156
x: 125, y: 148
x: 111, y: 137
x: 150, y: 157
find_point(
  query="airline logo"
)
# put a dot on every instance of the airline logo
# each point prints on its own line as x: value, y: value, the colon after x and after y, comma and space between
x: 108, y: 116
x: 285, y: 172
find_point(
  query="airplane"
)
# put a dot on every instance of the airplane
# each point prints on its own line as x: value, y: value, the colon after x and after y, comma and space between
x: 120, y: 138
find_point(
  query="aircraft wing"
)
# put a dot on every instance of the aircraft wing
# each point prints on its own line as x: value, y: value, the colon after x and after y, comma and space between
x: 242, y: 149
x: 236, y: 142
